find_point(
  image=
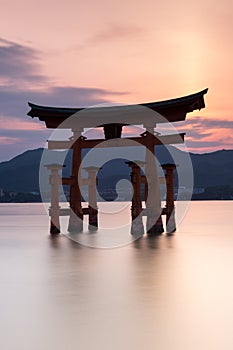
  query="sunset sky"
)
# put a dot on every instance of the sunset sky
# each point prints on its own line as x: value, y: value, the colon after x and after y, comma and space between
x: 77, y: 53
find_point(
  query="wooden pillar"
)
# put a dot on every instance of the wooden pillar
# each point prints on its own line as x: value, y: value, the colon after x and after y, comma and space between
x: 136, y: 209
x: 145, y: 191
x: 153, y: 202
x: 76, y: 216
x: 170, y: 206
x: 92, y: 200
x: 55, y: 181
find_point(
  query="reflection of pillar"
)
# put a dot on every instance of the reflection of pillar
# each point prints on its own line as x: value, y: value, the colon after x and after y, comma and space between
x: 93, y: 210
x: 76, y: 216
x: 54, y: 180
x: 170, y: 206
x: 153, y: 202
x: 137, y: 224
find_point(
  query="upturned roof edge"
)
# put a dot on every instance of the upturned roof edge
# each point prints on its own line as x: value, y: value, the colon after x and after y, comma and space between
x: 193, y: 102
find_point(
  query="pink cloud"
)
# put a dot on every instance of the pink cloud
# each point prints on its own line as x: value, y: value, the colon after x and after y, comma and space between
x: 132, y: 130
x: 5, y: 140
x: 12, y: 123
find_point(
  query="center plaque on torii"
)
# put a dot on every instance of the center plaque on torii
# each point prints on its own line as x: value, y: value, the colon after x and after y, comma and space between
x: 113, y: 119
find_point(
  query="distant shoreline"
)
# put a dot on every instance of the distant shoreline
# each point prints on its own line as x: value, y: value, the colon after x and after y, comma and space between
x: 193, y: 200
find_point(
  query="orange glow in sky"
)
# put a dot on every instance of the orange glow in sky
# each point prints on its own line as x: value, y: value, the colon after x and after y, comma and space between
x: 128, y: 51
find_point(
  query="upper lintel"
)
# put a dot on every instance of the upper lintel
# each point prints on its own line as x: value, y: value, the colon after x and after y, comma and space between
x: 172, y: 110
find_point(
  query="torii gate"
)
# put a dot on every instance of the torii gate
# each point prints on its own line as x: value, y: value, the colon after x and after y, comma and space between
x: 108, y: 117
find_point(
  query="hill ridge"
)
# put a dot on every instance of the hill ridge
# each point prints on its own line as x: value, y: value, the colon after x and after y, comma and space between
x: 21, y: 173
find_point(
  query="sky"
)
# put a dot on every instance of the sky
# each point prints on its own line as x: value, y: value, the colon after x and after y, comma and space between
x: 82, y: 53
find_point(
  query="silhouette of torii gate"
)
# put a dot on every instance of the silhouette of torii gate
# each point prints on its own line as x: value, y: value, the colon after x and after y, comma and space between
x: 108, y: 117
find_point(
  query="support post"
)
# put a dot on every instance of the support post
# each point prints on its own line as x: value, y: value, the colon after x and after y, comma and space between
x: 76, y: 216
x: 153, y: 201
x: 145, y: 190
x: 55, y: 181
x: 170, y: 206
x: 136, y: 209
x: 93, y: 209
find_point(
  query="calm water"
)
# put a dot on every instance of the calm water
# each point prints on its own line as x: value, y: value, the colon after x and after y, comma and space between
x: 162, y: 293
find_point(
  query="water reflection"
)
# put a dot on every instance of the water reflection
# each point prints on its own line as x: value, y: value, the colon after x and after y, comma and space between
x: 156, y: 293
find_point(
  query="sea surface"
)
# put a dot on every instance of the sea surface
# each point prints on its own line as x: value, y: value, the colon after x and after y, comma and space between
x: 153, y: 293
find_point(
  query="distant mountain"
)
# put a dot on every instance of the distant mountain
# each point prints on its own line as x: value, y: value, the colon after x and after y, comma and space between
x: 21, y: 174
x: 213, y: 169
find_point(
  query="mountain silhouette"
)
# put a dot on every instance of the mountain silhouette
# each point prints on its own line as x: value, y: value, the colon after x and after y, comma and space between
x: 21, y: 174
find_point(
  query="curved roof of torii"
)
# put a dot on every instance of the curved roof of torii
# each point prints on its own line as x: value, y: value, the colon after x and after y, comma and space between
x: 172, y: 110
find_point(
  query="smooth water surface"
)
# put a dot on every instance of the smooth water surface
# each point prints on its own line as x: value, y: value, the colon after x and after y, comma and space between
x: 155, y: 293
